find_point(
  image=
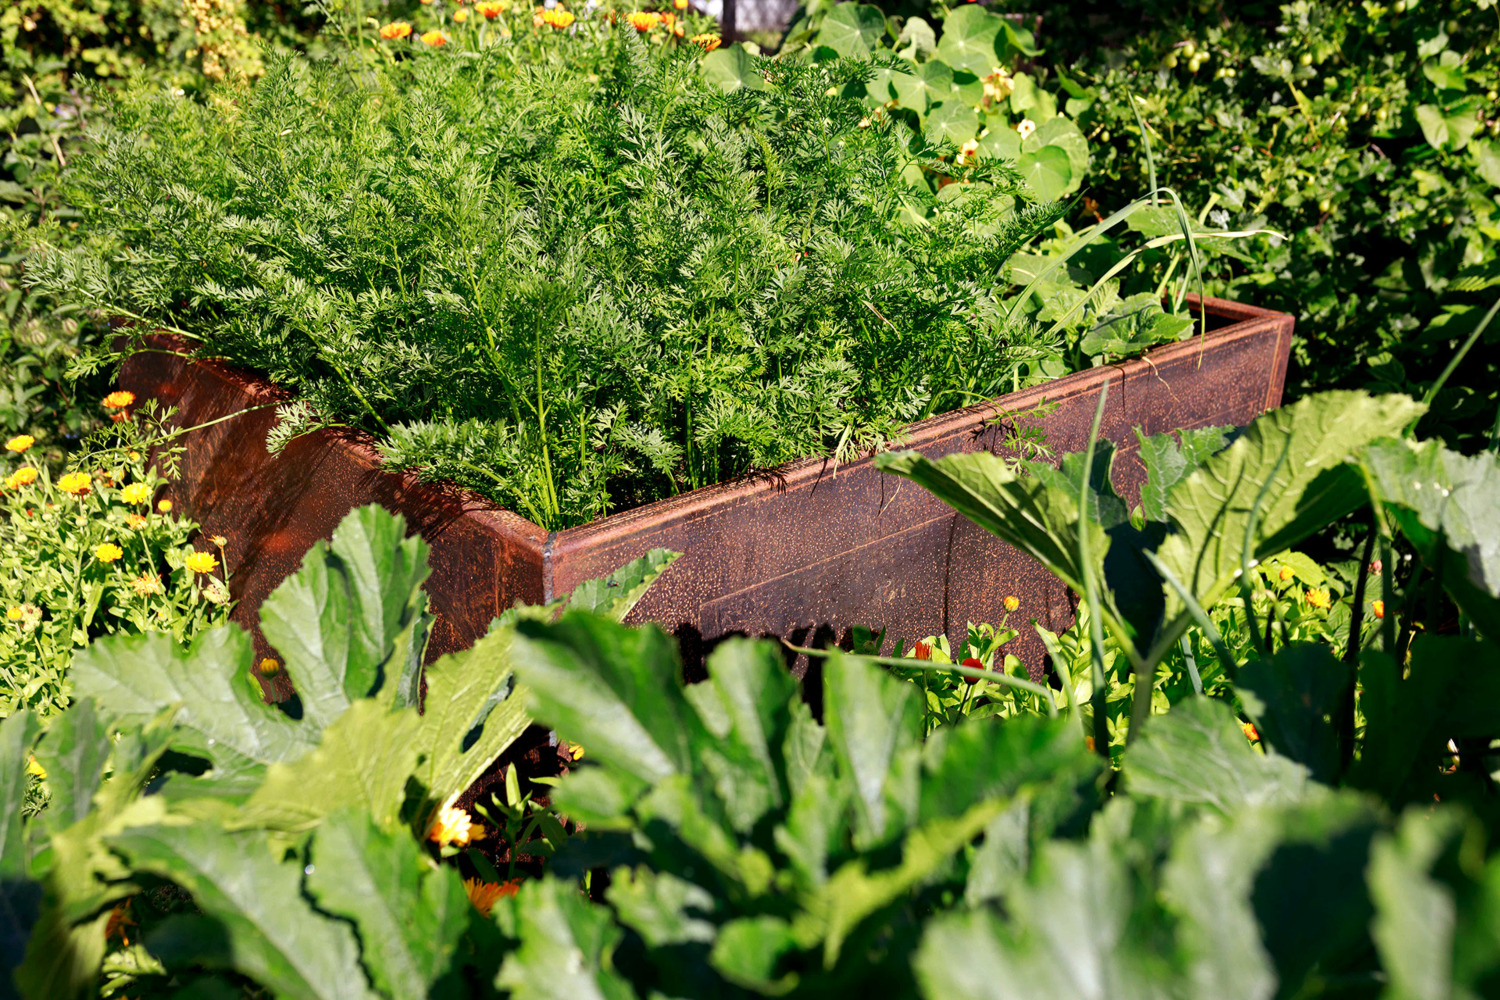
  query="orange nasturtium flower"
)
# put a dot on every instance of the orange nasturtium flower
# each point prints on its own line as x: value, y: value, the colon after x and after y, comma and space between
x: 201, y: 562
x: 490, y: 9
x: 20, y: 443
x: 119, y: 399
x: 74, y: 482
x: 1251, y: 733
x: 707, y: 42
x: 434, y: 38
x: 1378, y: 607
x: 136, y: 493
x: 643, y: 20
x: 396, y: 29
x: 1286, y: 573
x: 24, y: 476
x: 484, y: 895
x: 108, y: 552
x: 1318, y: 598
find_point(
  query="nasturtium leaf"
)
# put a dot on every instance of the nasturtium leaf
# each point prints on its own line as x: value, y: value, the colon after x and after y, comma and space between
x: 1288, y: 471
x: 1450, y: 126
x: 852, y: 29
x: 951, y: 121
x: 269, y: 931
x: 1048, y: 172
x: 924, y: 86
x: 1063, y: 134
x: 731, y: 68
x: 1002, y: 143
x: 1197, y: 753
x: 917, y: 41
x: 1447, y: 505
x: 1169, y: 460
x: 222, y: 716
x: 970, y: 40
x: 410, y: 913
x: 335, y: 621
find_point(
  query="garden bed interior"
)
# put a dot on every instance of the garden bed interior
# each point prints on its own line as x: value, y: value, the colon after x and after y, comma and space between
x: 803, y: 552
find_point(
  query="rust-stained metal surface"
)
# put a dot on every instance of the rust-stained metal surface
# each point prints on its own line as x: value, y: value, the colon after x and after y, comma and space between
x: 804, y: 552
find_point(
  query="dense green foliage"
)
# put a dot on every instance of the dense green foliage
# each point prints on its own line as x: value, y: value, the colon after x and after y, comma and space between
x: 572, y: 272
x: 1363, y: 132
x: 758, y: 844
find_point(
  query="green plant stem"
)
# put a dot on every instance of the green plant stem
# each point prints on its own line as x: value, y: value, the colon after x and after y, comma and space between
x: 1453, y: 362
x: 927, y: 665
x: 1097, y: 697
x: 1351, y: 657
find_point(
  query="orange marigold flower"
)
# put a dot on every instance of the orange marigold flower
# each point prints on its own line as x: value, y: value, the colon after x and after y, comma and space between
x: 108, y: 552
x: 1319, y: 598
x: 137, y: 521
x: 1250, y: 732
x: 484, y: 895
x: 146, y: 584
x: 434, y: 38
x: 489, y: 9
x: 453, y: 826
x: 1378, y: 607
x: 707, y: 42
x: 921, y: 651
x: 667, y: 17
x: 558, y: 18
x: 74, y: 482
x: 119, y: 399
x: 680, y: 4
x: 201, y: 562
x: 643, y: 20
x: 396, y: 29
x: 136, y: 493
x: 23, y: 476
x: 679, y: 29
x: 1286, y: 573
x: 1012, y: 602
x: 20, y: 443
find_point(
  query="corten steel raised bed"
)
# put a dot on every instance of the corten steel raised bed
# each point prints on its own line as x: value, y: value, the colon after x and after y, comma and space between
x: 804, y: 552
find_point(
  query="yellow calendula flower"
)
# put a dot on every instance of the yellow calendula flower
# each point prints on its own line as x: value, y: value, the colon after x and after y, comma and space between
x: 680, y: 4
x: 119, y: 399
x: 1286, y: 573
x: 23, y: 476
x: 15, y: 614
x: 1378, y: 607
x: 707, y: 42
x: 20, y: 443
x: 394, y: 30
x: 434, y: 38
x: 165, y: 506
x: 268, y: 666
x: 558, y: 18
x: 33, y: 766
x: 201, y: 562
x: 643, y: 20
x: 136, y: 493
x: 460, y: 16
x: 490, y: 9
x: 76, y: 483
x: 484, y: 895
x: 108, y: 552
x: 453, y: 827
x: 1012, y: 602
x: 137, y: 521
x: 1318, y: 598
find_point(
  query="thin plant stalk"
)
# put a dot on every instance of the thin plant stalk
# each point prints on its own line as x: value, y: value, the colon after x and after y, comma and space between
x: 1091, y: 588
x: 946, y: 668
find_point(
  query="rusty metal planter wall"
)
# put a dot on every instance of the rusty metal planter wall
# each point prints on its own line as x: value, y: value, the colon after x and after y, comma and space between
x: 804, y: 552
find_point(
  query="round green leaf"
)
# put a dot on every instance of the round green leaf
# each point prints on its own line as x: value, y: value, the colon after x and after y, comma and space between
x: 927, y: 84
x: 852, y: 29
x: 953, y: 121
x: 970, y: 37
x: 1047, y: 172
x: 1062, y: 134
x: 732, y: 68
